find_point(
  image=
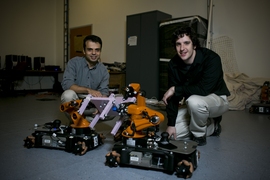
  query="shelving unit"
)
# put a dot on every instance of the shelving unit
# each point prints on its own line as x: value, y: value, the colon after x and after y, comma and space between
x: 142, y: 50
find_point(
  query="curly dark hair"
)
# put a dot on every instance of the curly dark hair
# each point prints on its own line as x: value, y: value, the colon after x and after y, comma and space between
x: 188, y: 31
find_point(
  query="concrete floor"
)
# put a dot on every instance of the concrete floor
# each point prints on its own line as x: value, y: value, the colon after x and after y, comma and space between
x: 241, y: 151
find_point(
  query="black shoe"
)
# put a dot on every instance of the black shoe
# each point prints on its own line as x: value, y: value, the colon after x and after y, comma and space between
x: 217, y: 130
x: 200, y: 140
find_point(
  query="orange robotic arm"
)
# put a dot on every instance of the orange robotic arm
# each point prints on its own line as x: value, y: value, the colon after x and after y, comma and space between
x: 71, y: 108
x: 142, y: 117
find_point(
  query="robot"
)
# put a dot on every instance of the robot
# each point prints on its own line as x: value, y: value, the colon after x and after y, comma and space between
x: 264, y: 106
x: 136, y: 134
x: 139, y: 144
x: 80, y: 136
x: 53, y: 135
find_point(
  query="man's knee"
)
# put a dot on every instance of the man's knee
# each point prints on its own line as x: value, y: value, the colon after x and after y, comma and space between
x: 68, y: 95
x: 196, y: 103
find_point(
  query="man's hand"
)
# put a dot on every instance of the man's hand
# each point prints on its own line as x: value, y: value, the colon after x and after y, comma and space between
x: 168, y: 94
x: 172, y: 132
x: 81, y: 89
x: 94, y: 93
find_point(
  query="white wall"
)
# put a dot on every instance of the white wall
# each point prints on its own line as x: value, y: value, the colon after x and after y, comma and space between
x: 31, y: 28
x: 35, y: 28
x: 109, y: 19
x: 245, y: 21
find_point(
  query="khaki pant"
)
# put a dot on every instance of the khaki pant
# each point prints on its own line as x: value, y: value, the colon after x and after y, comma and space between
x: 195, y: 117
x: 70, y: 95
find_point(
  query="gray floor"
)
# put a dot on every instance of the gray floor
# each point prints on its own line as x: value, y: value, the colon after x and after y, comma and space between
x: 241, y: 152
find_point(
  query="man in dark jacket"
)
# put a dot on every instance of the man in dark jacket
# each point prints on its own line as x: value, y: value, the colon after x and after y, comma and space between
x: 196, y: 78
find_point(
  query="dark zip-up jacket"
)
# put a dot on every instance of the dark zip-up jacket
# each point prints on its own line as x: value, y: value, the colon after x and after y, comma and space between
x: 203, y: 77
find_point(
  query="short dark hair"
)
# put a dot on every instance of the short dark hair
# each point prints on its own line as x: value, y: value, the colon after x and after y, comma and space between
x: 92, y: 38
x: 188, y: 31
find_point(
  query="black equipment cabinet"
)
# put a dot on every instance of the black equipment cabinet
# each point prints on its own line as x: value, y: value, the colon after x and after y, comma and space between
x: 142, y: 50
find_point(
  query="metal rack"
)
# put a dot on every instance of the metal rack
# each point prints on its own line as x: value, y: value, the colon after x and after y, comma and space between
x: 66, y: 32
x: 210, y: 25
